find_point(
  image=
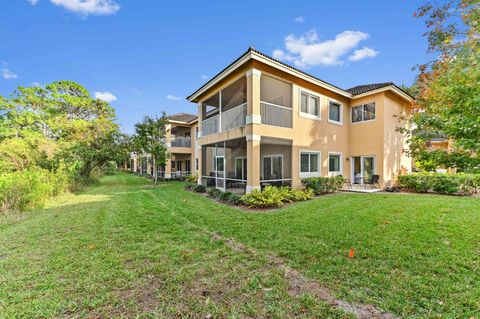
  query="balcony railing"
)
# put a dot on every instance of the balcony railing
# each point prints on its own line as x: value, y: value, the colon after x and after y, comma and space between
x: 234, y: 117
x: 179, y: 141
x: 230, y: 119
x: 276, y: 115
x: 210, y: 126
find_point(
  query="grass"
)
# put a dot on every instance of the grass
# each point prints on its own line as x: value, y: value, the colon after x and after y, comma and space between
x: 125, y: 249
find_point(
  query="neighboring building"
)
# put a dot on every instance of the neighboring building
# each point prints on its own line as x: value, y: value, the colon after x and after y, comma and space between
x: 262, y: 122
x: 180, y: 138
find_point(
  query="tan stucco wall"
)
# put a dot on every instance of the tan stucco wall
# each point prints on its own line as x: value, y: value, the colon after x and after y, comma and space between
x: 394, y: 143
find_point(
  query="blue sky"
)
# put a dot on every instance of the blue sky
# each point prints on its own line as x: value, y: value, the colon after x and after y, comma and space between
x: 146, y: 56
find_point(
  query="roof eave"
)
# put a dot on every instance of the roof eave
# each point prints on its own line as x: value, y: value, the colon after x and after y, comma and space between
x: 261, y: 58
x: 393, y: 88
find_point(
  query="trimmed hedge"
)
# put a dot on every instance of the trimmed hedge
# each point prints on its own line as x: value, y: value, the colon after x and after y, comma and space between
x: 322, y: 185
x: 461, y: 184
x: 272, y: 196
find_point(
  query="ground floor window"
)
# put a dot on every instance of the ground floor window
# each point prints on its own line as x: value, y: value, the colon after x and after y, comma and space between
x: 335, y: 164
x: 187, y: 165
x: 272, y: 167
x: 309, y: 163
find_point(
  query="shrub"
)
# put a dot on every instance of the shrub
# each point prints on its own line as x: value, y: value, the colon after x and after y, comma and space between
x: 214, y: 192
x: 321, y: 185
x: 297, y: 195
x: 462, y: 184
x: 272, y: 196
x: 192, y: 179
x: 421, y: 182
x: 26, y: 189
x: 199, y: 189
x: 233, y: 199
x: 446, y: 184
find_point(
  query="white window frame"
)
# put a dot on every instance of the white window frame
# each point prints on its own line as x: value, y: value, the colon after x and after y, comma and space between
x: 335, y: 173
x: 341, y: 112
x: 243, y: 158
x: 363, y: 113
x: 271, y: 166
x: 308, y: 115
x: 309, y: 174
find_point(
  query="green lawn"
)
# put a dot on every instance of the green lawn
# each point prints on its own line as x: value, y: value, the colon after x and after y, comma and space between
x: 125, y: 249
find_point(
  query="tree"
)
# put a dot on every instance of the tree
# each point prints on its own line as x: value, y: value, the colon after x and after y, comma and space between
x: 77, y: 128
x: 449, y: 85
x: 149, y: 139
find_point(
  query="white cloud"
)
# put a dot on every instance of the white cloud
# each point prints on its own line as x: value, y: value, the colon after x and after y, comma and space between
x: 86, y: 7
x: 363, y: 53
x: 8, y: 75
x: 33, y: 2
x: 105, y: 96
x: 204, y: 77
x: 299, y: 19
x: 174, y: 98
x: 307, y: 50
x: 37, y: 84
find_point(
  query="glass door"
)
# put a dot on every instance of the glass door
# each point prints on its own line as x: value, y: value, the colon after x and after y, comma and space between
x: 272, y: 167
x: 368, y: 167
x: 220, y: 172
x: 363, y: 168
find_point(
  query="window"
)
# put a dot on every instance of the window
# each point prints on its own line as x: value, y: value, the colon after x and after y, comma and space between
x: 272, y: 167
x: 196, y: 164
x: 309, y: 105
x: 173, y: 164
x: 309, y: 163
x: 335, y: 112
x: 363, y: 113
x: 335, y: 164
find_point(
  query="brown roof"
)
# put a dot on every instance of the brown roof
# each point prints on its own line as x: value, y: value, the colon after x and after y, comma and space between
x: 182, y: 117
x: 353, y: 91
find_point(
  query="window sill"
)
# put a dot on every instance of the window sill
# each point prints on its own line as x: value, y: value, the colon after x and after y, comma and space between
x: 310, y: 116
x: 335, y: 123
x: 363, y: 122
x: 310, y: 174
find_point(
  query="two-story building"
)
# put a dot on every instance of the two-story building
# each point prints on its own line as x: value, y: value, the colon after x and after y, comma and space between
x: 261, y: 122
x: 181, y: 141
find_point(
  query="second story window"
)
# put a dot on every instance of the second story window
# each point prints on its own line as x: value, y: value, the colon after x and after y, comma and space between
x: 309, y: 105
x: 363, y: 113
x: 335, y: 112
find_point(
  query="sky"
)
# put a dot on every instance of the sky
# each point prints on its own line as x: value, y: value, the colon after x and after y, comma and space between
x: 147, y: 56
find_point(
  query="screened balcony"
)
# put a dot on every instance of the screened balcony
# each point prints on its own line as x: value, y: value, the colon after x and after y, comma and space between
x: 226, y: 109
x: 275, y: 102
x: 180, y: 136
x: 224, y: 165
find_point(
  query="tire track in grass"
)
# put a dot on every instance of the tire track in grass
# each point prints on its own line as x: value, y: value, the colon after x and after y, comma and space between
x: 297, y: 282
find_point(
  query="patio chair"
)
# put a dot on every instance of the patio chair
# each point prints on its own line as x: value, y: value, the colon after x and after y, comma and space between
x: 374, y: 180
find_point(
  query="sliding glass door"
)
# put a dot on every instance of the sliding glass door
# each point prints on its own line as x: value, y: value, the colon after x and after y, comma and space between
x: 363, y: 168
x: 272, y: 167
